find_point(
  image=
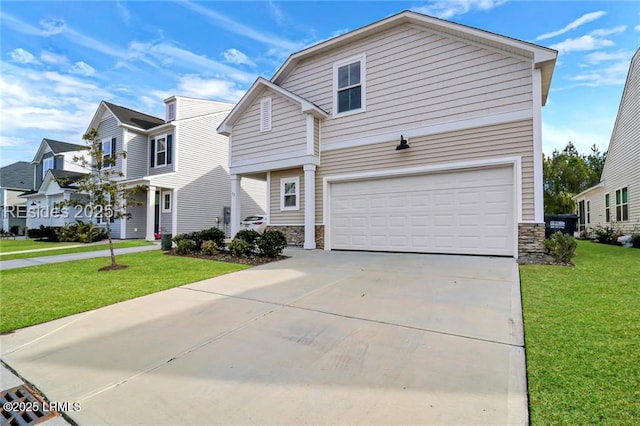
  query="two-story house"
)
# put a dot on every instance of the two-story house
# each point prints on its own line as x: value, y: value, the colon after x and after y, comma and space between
x: 15, y: 179
x: 615, y: 200
x: 411, y: 134
x: 54, y: 174
x: 181, y: 160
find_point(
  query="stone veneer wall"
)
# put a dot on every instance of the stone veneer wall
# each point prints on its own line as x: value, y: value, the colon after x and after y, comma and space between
x: 319, y: 236
x: 531, y: 241
x: 293, y: 234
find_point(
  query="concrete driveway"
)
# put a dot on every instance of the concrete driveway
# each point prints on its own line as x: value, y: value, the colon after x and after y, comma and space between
x: 322, y: 337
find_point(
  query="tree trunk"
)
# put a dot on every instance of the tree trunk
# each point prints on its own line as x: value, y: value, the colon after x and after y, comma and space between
x: 113, y: 255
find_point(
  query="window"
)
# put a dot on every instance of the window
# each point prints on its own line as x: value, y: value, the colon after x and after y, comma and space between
x: 166, y: 201
x: 607, y: 208
x: 588, y: 212
x: 47, y: 164
x: 161, y: 150
x: 108, y: 152
x: 622, y: 204
x: 265, y: 114
x: 290, y: 193
x: 349, y: 85
x: 171, y: 111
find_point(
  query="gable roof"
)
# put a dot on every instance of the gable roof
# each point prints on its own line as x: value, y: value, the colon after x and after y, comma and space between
x: 17, y: 176
x: 255, y: 90
x: 58, y: 147
x: 66, y: 178
x: 634, y: 73
x: 543, y: 57
x: 125, y: 116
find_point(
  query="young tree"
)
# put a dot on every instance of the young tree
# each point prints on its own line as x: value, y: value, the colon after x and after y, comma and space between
x: 108, y: 197
x: 567, y: 173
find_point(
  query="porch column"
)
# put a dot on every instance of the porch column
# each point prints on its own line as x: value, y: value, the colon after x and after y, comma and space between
x: 235, y: 204
x: 309, y: 206
x: 151, y: 212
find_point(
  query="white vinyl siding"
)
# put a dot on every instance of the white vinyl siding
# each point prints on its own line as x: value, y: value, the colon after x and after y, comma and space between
x: 286, y: 217
x: 265, y: 114
x: 287, y: 135
x: 137, y: 157
x: 191, y: 107
x: 621, y: 169
x: 504, y: 140
x: 416, y: 78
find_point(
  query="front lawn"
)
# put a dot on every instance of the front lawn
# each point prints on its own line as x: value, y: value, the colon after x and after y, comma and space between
x: 582, y: 333
x: 19, y: 245
x: 83, y: 248
x: 42, y: 293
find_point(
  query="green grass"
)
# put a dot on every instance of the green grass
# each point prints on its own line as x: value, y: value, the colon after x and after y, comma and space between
x: 582, y: 332
x: 123, y: 244
x: 18, y: 245
x: 42, y: 293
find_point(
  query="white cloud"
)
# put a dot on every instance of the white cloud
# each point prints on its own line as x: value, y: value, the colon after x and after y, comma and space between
x: 601, y: 56
x: 611, y: 75
x: 637, y: 28
x: 584, y: 43
x: 277, y: 13
x: 235, y: 56
x: 586, y: 18
x: 124, y: 13
x: 53, y: 58
x: 446, y: 9
x: 22, y: 56
x: 52, y: 26
x: 12, y: 141
x: 82, y: 68
x: 588, y: 134
x: 603, y: 32
x: 199, y: 87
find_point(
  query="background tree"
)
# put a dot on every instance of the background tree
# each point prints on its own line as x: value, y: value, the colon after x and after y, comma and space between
x: 567, y: 173
x: 108, y: 197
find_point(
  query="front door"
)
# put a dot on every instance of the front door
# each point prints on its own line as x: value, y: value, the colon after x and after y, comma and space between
x: 582, y: 214
x: 156, y: 216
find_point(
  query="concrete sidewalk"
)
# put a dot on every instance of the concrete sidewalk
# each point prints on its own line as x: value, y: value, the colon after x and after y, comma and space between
x: 45, y: 260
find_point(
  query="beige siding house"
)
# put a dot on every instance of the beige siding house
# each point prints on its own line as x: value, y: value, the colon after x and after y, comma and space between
x: 412, y: 134
x: 182, y: 161
x: 615, y: 200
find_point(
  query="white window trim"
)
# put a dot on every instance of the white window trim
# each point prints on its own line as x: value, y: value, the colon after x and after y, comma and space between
x: 363, y: 84
x: 162, y: 207
x: 296, y: 181
x: 265, y: 119
x: 104, y: 153
x: 155, y: 148
x: 171, y: 111
x: 45, y: 168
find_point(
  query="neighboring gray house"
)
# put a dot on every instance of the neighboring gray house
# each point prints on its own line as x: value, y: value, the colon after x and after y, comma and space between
x: 615, y: 200
x: 412, y: 134
x: 182, y: 161
x: 54, y: 172
x: 15, y: 179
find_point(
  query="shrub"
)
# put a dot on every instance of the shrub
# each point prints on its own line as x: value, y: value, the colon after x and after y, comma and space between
x: 250, y: 236
x: 635, y: 240
x: 44, y: 233
x: 15, y: 229
x: 209, y: 248
x: 186, y: 246
x: 239, y: 247
x: 271, y: 243
x: 605, y: 234
x: 561, y: 247
x: 179, y: 238
x: 211, y: 234
x: 80, y: 233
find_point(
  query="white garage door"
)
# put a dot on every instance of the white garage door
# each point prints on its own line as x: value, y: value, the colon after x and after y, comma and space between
x: 462, y: 212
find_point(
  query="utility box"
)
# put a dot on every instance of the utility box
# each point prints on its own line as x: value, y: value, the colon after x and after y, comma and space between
x: 567, y: 223
x: 165, y: 243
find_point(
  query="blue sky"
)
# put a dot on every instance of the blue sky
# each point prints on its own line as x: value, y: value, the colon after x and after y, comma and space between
x: 60, y: 59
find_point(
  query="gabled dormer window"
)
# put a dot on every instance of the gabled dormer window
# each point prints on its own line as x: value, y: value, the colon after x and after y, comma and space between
x: 349, y: 88
x: 265, y: 114
x: 171, y: 111
x: 47, y: 164
x: 161, y: 150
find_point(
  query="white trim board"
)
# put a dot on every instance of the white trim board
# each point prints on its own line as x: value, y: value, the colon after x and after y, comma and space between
x: 434, y: 129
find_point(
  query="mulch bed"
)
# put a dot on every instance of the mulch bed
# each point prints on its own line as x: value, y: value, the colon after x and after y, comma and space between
x: 112, y: 268
x: 227, y: 257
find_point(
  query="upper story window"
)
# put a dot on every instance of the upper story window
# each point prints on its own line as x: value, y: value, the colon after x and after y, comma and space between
x: 622, y: 204
x: 47, y: 164
x: 161, y: 150
x: 108, y: 152
x: 290, y: 193
x: 349, y: 85
x: 265, y: 114
x: 171, y: 111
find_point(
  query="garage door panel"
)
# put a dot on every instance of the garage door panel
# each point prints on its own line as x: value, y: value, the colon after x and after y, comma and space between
x: 464, y: 212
